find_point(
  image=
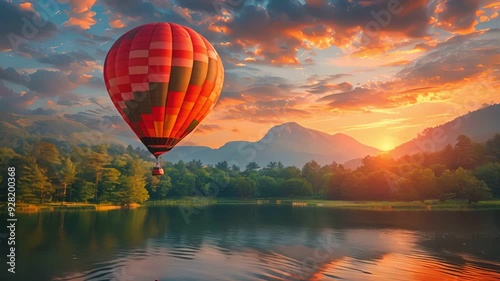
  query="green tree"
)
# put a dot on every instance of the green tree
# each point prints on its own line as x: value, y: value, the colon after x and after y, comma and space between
x: 252, y: 166
x: 420, y: 184
x: 438, y: 169
x: 296, y: 187
x: 311, y: 173
x: 490, y: 174
x: 164, y: 186
x: 183, y: 181
x: 132, y: 189
x: 67, y: 175
x: 376, y: 185
x: 462, y: 183
x: 267, y: 186
x: 219, y: 181
x: 85, y: 190
x: 35, y: 181
x: 245, y: 187
x: 470, y: 187
x: 109, y: 184
x: 222, y: 166
x: 291, y: 172
x: 95, y: 162
x: 194, y: 165
x: 464, y: 152
x: 46, y: 154
x: 493, y: 148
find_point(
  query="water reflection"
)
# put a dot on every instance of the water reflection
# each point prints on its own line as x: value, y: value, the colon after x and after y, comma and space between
x: 259, y: 243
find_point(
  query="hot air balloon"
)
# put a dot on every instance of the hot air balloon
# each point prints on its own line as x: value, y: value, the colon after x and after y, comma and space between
x: 164, y: 79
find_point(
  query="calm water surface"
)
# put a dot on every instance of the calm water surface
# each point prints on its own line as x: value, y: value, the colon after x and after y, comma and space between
x: 257, y: 243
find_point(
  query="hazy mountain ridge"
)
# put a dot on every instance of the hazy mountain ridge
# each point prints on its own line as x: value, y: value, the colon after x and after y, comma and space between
x: 479, y: 125
x: 290, y: 143
x: 14, y: 127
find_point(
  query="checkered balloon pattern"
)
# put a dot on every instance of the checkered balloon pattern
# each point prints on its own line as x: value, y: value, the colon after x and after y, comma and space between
x: 164, y: 79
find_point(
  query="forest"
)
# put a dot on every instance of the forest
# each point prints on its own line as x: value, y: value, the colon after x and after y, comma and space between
x: 48, y: 171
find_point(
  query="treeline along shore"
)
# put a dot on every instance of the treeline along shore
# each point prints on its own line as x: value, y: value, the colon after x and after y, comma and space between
x: 50, y: 174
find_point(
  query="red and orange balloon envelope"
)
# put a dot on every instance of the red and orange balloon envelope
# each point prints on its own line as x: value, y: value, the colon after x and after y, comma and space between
x: 164, y: 79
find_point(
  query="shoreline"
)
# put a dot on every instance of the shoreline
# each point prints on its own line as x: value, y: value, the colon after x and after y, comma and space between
x: 27, y: 208
x: 427, y: 205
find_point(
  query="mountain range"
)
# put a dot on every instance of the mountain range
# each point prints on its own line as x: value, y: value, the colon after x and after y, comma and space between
x: 293, y: 144
x: 479, y: 125
x: 289, y: 143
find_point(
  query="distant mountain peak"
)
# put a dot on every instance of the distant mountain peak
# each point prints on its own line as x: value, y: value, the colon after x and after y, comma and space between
x: 289, y: 143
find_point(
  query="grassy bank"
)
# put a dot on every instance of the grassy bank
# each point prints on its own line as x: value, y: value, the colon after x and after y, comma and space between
x: 368, y: 205
x: 428, y: 205
x: 69, y: 206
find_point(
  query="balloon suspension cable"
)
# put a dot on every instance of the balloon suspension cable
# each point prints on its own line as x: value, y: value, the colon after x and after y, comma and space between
x: 158, y: 161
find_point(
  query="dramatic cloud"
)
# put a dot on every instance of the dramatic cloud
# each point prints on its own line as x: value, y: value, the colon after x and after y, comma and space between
x: 457, y: 15
x: 452, y: 65
x: 13, y: 102
x: 323, y: 62
x: 274, y: 33
x: 460, y: 57
x: 52, y: 83
x: 68, y: 61
x: 80, y: 13
x: 21, y: 24
x: 207, y: 128
x: 129, y: 13
x: 327, y: 84
x: 13, y: 76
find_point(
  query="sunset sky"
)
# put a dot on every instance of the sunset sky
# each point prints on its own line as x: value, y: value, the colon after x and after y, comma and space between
x: 379, y: 71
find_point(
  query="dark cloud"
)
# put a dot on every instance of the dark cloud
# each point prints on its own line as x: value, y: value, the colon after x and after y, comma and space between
x: 42, y: 111
x: 21, y: 25
x: 69, y: 99
x: 132, y: 8
x: 216, y: 7
x: 326, y: 84
x: 50, y: 83
x: 66, y: 61
x: 460, y: 57
x: 458, y: 15
x: 238, y: 87
x: 207, y: 6
x: 328, y: 78
x: 365, y: 99
x: 131, y: 13
x: 207, y: 128
x: 265, y: 112
x: 13, y: 76
x: 5, y: 91
x: 327, y: 88
x: 13, y: 102
x: 274, y: 34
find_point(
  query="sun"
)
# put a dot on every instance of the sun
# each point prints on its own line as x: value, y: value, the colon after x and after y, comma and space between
x: 386, y: 144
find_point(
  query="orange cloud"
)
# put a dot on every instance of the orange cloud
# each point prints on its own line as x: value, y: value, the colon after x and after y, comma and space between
x: 274, y: 35
x: 26, y: 6
x: 116, y: 23
x: 80, y: 13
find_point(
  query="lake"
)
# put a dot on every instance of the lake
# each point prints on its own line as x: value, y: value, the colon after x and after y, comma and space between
x: 256, y: 242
